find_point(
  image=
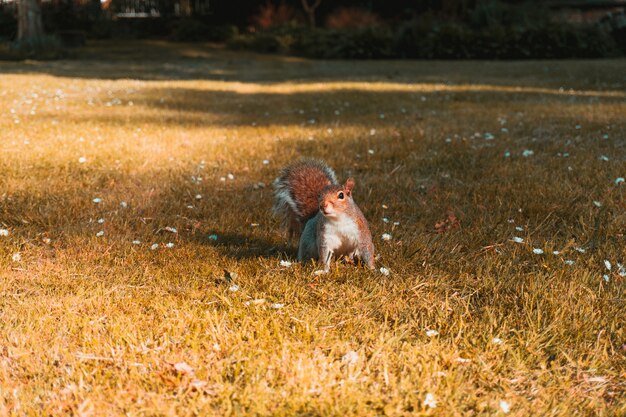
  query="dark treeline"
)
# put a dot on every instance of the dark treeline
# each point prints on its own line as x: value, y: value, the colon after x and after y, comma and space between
x: 370, y: 29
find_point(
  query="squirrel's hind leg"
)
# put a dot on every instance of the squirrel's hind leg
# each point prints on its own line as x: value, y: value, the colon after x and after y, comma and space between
x: 294, y: 229
x: 365, y: 253
x: 307, y: 248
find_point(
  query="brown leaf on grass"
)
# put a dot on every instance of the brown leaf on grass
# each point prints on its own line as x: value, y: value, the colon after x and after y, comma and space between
x: 450, y: 222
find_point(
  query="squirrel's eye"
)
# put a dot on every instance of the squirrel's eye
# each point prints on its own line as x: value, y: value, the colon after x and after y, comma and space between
x: 340, y: 196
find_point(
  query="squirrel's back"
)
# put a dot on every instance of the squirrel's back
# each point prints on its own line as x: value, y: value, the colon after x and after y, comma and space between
x: 297, y: 190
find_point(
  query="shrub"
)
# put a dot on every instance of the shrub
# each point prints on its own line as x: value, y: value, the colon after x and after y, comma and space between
x: 458, y: 41
x: 193, y: 30
x: 221, y: 33
x: 189, y: 30
x: 263, y: 42
x: 351, y: 18
x: 271, y: 15
x: 139, y: 28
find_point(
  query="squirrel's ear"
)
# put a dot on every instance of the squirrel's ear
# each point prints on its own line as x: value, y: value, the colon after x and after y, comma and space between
x: 349, y: 185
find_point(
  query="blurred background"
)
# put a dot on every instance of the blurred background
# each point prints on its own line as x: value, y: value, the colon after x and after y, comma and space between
x: 342, y: 29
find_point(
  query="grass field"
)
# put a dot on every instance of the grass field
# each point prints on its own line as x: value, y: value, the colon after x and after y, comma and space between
x: 131, y: 146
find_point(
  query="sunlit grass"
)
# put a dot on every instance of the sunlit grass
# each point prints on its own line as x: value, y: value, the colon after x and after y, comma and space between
x: 94, y: 324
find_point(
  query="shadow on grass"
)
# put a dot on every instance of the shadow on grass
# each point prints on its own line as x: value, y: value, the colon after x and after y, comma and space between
x: 326, y: 107
x: 243, y: 246
x: 158, y: 60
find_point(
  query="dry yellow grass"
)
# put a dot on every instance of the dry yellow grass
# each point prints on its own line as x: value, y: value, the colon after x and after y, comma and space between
x: 101, y: 326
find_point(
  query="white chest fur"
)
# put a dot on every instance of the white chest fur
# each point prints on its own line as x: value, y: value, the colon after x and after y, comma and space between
x: 341, y: 236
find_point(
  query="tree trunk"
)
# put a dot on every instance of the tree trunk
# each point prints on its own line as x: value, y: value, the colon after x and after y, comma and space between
x: 310, y: 10
x: 29, y: 25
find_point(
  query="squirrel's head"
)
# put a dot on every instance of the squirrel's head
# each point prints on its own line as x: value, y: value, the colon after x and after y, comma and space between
x: 335, y: 199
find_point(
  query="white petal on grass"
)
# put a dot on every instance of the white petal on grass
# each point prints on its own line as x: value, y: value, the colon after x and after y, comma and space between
x: 597, y: 203
x: 581, y: 250
x: 198, y: 196
x: 519, y: 229
x: 100, y: 221
x: 254, y: 225
x: 619, y: 180
x: 463, y: 360
x: 212, y: 237
x: 351, y: 357
x: 607, y: 264
x: 372, y: 132
x: 170, y: 229
x: 432, y: 333
x: 507, y: 154
x: 517, y: 239
x: 278, y: 306
x: 184, y: 368
x: 569, y: 262
x: 286, y: 264
x: 16, y: 257
x: 230, y: 176
x: 496, y: 341
x: 123, y: 204
x: 136, y: 242
x: 488, y: 136
x: 4, y: 232
x: 385, y: 220
x: 555, y: 252
x: 82, y: 160
x: 386, y: 236
x: 266, y: 162
x: 604, y: 158
x: 430, y: 401
x: 320, y: 272
x: 97, y: 200
x: 154, y: 246
x: 370, y: 151
x: 169, y: 245
x: 504, y: 406
x: 621, y: 271
x: 385, y: 206
x: 527, y: 153
x: 538, y: 251
x: 606, y: 278
x: 396, y: 223
x: 384, y: 271
x: 233, y: 288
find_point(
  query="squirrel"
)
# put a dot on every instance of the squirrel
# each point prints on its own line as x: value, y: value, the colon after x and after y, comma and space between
x: 319, y: 211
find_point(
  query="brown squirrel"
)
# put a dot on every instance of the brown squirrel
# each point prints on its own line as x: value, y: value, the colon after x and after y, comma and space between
x: 320, y: 212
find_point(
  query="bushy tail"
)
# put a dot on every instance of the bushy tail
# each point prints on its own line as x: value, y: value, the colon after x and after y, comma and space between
x: 296, y: 193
